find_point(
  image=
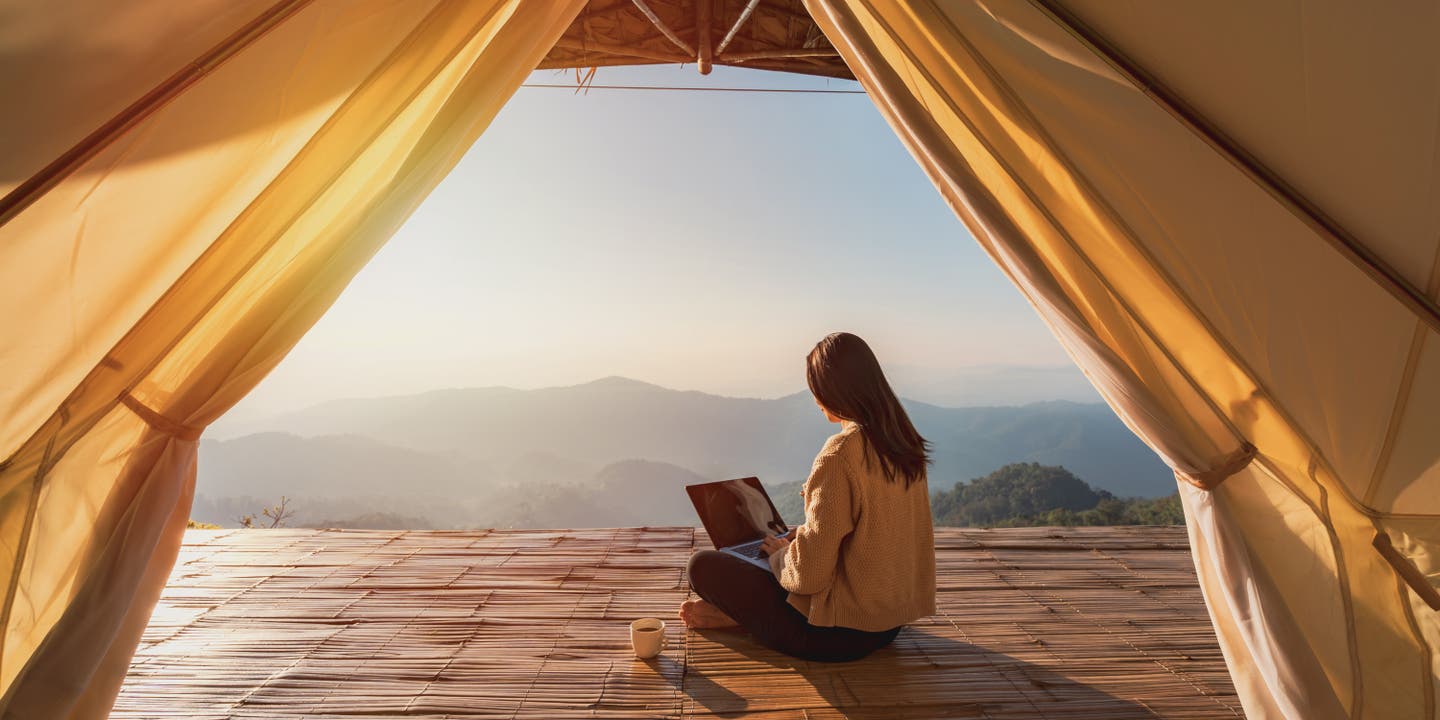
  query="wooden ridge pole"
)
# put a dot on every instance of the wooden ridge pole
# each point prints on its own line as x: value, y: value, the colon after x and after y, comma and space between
x: 664, y: 29
x: 703, y: 10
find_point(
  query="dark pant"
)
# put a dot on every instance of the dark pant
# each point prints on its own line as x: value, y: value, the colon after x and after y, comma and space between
x: 754, y: 598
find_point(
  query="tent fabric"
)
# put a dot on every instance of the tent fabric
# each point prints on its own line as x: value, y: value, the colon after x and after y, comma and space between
x: 1211, y: 315
x: 268, y: 149
x: 187, y: 187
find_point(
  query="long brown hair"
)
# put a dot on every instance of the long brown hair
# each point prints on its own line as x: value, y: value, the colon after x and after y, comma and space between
x: 845, y: 377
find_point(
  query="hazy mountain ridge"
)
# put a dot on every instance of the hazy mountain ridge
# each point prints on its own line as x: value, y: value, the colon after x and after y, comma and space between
x: 276, y: 463
x: 622, y: 494
x: 499, y: 456
x: 595, y: 423
x: 616, y: 418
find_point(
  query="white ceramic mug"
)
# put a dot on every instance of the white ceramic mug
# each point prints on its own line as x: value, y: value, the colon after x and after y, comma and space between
x: 647, y: 637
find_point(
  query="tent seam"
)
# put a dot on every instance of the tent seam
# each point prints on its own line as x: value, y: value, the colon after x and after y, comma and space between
x: 1402, y: 396
x: 40, y: 184
x: 1341, y: 580
x: 23, y: 546
x: 1397, y: 411
x: 1346, y: 596
x: 1338, y: 238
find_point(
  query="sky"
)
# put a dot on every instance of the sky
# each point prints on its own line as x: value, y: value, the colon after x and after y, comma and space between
x: 696, y: 240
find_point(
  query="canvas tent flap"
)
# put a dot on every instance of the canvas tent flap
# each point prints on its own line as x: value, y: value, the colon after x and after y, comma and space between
x: 182, y: 261
x: 1207, y: 312
x: 186, y: 189
x: 1335, y: 97
x: 75, y: 64
x: 1328, y: 97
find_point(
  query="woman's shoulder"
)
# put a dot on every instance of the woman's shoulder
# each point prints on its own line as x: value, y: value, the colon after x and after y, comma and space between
x: 833, y: 463
x: 847, y: 440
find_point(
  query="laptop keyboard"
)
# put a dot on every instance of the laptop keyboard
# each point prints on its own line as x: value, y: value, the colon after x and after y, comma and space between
x: 750, y: 549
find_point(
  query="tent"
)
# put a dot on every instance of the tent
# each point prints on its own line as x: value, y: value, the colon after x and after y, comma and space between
x: 1226, y: 212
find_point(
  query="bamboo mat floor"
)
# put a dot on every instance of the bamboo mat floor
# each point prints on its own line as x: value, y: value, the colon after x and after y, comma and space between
x: 1083, y: 623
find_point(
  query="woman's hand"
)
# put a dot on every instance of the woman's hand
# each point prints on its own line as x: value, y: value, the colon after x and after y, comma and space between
x: 774, y: 545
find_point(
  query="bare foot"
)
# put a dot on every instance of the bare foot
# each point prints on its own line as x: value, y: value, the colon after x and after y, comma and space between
x: 701, y: 615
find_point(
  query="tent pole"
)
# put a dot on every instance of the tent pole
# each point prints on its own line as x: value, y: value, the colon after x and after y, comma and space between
x: 663, y: 28
x: 782, y: 54
x: 744, y: 15
x: 1327, y: 227
x: 702, y: 27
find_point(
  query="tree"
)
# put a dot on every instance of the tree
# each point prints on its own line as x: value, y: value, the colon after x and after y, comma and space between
x: 275, y: 515
x: 1014, y: 491
x: 1030, y: 494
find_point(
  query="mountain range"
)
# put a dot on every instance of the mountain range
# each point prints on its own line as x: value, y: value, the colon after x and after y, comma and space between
x: 610, y: 452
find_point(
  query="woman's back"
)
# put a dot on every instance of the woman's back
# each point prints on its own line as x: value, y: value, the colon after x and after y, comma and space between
x: 865, y: 557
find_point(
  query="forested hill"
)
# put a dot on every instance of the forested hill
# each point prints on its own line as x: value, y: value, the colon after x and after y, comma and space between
x: 1029, y: 494
x: 1025, y: 494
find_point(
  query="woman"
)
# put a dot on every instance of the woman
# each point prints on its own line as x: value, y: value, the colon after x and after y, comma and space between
x: 863, y: 564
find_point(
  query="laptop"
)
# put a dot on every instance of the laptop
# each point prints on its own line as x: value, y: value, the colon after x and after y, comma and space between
x: 738, y: 515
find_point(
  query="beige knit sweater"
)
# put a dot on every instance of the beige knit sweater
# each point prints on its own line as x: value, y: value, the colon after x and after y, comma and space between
x: 865, y: 557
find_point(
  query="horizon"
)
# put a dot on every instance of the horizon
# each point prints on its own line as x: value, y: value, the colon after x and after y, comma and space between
x: 227, y: 424
x: 459, y: 441
x: 640, y: 381
x: 566, y: 246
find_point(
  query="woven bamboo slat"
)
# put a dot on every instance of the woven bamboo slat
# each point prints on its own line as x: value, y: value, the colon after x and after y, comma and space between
x: 1083, y: 623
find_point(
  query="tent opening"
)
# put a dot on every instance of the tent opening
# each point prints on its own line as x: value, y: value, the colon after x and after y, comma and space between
x: 1239, y: 250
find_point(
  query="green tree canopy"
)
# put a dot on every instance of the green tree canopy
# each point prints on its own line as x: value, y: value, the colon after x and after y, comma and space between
x: 1016, y: 490
x: 1028, y: 494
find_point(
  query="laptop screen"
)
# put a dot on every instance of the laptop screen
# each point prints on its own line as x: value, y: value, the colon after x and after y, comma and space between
x: 735, y: 511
